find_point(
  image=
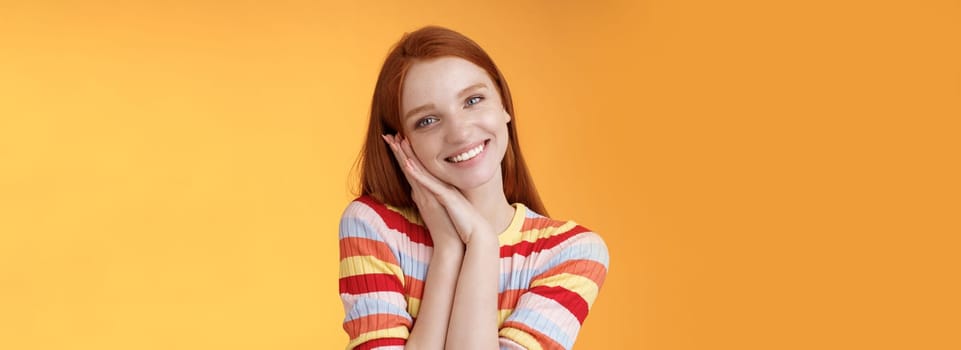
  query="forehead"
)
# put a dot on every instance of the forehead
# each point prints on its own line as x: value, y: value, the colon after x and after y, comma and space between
x: 439, y: 79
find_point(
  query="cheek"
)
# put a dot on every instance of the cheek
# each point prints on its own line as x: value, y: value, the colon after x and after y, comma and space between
x: 422, y: 151
x: 498, y: 125
x: 495, y: 120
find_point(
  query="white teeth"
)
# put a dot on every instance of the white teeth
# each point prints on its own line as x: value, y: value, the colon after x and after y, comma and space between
x: 473, y: 152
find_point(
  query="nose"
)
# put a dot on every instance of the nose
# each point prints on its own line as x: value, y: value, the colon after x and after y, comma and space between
x: 457, y: 129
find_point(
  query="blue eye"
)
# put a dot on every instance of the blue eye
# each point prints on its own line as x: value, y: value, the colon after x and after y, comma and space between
x: 474, y: 100
x: 426, y: 121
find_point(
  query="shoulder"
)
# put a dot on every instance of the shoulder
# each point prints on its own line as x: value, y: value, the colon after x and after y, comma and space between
x: 370, y: 209
x: 369, y: 206
x: 367, y: 217
x: 566, y: 239
x: 363, y: 207
x: 582, y: 243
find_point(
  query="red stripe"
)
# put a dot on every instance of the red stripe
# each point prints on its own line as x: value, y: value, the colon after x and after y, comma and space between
x: 371, y: 282
x: 356, y: 246
x: 394, y: 220
x: 571, y: 300
x: 374, y: 343
x: 507, y: 299
x: 525, y: 248
x: 590, y: 269
x: 415, y: 287
x: 541, y: 223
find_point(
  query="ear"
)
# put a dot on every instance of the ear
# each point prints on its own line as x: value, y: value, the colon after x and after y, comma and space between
x: 507, y: 117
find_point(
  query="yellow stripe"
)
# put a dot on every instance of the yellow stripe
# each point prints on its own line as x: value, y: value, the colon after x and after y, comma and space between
x: 534, y: 234
x: 513, y: 231
x: 575, y: 283
x: 413, y: 306
x: 502, y: 316
x: 365, y: 264
x: 520, y: 337
x: 396, y: 332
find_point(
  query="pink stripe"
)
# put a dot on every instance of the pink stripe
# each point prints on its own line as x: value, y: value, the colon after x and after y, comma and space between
x: 557, y: 313
x: 390, y: 297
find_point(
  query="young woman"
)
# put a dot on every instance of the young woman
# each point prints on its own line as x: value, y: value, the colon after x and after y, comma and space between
x: 447, y: 246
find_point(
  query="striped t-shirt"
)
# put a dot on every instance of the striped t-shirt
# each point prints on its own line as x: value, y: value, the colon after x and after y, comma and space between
x: 551, y: 272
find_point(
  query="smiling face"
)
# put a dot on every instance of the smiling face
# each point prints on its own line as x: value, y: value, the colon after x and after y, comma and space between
x: 452, y: 114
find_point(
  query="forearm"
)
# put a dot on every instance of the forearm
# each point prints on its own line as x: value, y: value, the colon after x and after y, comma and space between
x: 430, y: 329
x: 473, y: 323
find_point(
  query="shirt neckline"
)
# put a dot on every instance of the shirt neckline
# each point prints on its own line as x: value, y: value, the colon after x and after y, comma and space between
x: 513, y: 231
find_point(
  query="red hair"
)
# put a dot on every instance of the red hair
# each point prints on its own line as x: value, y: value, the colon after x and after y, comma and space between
x: 381, y: 176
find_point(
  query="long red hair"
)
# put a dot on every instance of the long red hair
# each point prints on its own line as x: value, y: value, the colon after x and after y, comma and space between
x: 381, y: 175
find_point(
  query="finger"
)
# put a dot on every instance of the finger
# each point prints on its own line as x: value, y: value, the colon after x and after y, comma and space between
x: 417, y: 190
x: 448, y: 195
x: 395, y: 148
x: 460, y: 212
x: 398, y: 152
x: 416, y: 165
x: 401, y: 160
x: 443, y: 191
x: 409, y: 154
x: 408, y: 151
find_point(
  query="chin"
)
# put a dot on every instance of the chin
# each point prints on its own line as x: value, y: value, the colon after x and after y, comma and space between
x: 473, y: 180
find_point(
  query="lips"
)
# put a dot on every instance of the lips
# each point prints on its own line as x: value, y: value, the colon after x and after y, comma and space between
x: 468, y: 153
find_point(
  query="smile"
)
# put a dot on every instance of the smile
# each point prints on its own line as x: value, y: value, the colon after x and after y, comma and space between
x: 468, y: 155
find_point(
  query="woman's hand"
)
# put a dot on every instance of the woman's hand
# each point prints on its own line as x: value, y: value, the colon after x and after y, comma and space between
x: 433, y: 319
x: 435, y: 217
x: 472, y: 292
x: 465, y: 219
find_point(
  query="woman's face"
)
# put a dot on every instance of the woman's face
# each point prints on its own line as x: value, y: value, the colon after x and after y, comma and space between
x: 452, y: 114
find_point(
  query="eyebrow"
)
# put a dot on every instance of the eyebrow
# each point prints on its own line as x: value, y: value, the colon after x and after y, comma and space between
x: 430, y: 106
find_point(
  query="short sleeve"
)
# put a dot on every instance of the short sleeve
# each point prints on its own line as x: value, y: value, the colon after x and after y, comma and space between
x: 371, y: 283
x: 551, y: 312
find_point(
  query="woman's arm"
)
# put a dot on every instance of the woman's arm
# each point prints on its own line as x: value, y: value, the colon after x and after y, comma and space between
x: 430, y: 329
x: 371, y: 279
x: 572, y: 265
x: 473, y: 315
x: 473, y: 323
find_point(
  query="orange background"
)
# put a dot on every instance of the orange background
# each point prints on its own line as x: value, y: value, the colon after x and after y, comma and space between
x: 767, y: 175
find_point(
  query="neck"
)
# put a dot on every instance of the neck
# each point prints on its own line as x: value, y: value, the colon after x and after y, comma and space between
x: 490, y: 201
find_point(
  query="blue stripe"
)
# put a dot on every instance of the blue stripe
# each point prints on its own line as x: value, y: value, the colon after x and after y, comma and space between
x: 542, y: 324
x: 516, y: 279
x: 352, y: 226
x: 412, y: 267
x: 532, y: 215
x: 366, y: 306
x: 596, y: 251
